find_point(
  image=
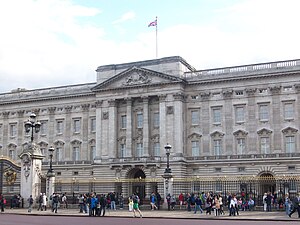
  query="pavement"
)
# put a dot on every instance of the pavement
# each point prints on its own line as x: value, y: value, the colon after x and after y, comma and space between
x: 176, y: 214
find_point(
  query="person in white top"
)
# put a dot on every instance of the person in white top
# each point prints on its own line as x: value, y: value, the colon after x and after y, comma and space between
x: 44, y: 203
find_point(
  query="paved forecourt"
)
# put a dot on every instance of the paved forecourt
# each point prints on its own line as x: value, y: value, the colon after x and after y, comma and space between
x: 177, y: 214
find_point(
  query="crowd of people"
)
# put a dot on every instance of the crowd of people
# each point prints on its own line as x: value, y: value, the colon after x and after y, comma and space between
x: 210, y: 203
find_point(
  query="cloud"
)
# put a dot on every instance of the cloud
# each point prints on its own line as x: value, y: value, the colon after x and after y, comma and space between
x: 44, y: 43
x: 125, y: 17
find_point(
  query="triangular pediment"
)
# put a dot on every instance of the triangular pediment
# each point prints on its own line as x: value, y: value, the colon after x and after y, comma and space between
x: 135, y: 77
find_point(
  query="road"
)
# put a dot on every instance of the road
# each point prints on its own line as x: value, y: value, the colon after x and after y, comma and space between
x: 6, y: 219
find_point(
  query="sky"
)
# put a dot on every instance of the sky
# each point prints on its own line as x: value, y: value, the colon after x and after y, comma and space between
x: 49, y: 43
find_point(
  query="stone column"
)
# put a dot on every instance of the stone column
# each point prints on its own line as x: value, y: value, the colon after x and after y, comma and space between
x: 146, y: 126
x: 31, y: 164
x: 98, y: 129
x: 68, y: 133
x: 229, y: 121
x: 112, y: 128
x: 205, y: 121
x: 178, y: 147
x: 162, y: 123
x: 50, y: 185
x: 252, y: 123
x: 85, y: 151
x: 276, y: 122
x: 129, y: 128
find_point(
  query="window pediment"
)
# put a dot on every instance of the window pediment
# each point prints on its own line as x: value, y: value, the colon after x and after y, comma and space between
x: 195, y: 136
x: 289, y: 130
x: 76, y: 142
x: 240, y: 133
x: 59, y: 143
x: 264, y: 131
x: 217, y: 134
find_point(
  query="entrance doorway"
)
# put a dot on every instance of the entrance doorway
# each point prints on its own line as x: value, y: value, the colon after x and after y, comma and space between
x: 137, y: 183
x: 268, y: 183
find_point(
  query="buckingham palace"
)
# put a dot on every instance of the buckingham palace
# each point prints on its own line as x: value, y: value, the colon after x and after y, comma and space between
x: 229, y: 129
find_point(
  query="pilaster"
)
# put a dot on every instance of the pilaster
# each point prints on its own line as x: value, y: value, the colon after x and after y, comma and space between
x: 146, y: 126
x: 129, y: 128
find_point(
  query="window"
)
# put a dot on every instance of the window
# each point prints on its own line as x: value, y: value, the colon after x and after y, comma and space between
x: 58, y: 154
x: 240, y: 146
x: 288, y: 111
x: 13, y: 130
x: 139, y: 150
x: 44, y: 128
x: 217, y: 147
x: 217, y: 115
x: 265, y: 145
x: 123, y: 121
x: 290, y: 144
x: 75, y: 155
x: 240, y: 114
x: 76, y: 125
x: 59, y: 126
x: 122, y: 153
x: 263, y: 112
x: 11, y: 154
x: 195, y: 114
x: 140, y: 120
x: 156, y: 119
x: 93, y: 152
x: 241, y: 169
x: 156, y: 149
x: 195, y: 148
x: 239, y: 92
x: 93, y: 125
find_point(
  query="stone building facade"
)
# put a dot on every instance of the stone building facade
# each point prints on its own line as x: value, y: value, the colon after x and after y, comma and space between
x: 224, y: 123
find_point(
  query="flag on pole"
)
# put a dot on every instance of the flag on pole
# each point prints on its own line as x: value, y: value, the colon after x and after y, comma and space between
x: 153, y: 23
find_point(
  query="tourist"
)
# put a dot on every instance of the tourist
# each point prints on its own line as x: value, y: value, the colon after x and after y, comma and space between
x: 30, y: 203
x: 136, y: 201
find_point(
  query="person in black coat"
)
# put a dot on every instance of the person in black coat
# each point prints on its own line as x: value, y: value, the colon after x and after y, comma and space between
x: 296, y: 206
x: 102, y: 202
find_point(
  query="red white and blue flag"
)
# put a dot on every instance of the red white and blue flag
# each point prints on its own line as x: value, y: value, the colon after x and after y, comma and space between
x: 153, y: 23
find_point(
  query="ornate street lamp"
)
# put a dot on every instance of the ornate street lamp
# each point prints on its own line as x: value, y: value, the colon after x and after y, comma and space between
x: 32, y: 125
x: 51, y: 150
x: 167, y: 174
x: 168, y: 151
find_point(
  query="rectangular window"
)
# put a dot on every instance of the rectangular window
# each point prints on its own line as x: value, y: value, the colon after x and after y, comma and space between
x: 217, y: 116
x: 122, y: 150
x: 13, y: 130
x: 241, y: 146
x: 288, y: 111
x: 11, y: 154
x: 195, y: 148
x: 93, y: 125
x: 123, y: 121
x: 44, y: 128
x: 93, y: 152
x: 156, y: 119
x: 139, y: 149
x: 263, y: 112
x: 58, y: 154
x: 59, y: 126
x: 195, y: 114
x: 156, y: 149
x: 240, y: 114
x: 217, y: 147
x: 76, y: 125
x: 140, y: 120
x: 265, y: 145
x: 75, y: 155
x: 290, y: 144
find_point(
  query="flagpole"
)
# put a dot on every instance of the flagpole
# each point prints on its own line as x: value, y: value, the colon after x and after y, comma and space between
x: 156, y: 40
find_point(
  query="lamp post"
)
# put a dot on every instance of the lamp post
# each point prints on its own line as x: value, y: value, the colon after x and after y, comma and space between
x: 51, y: 150
x: 50, y: 174
x: 167, y: 174
x: 32, y: 125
